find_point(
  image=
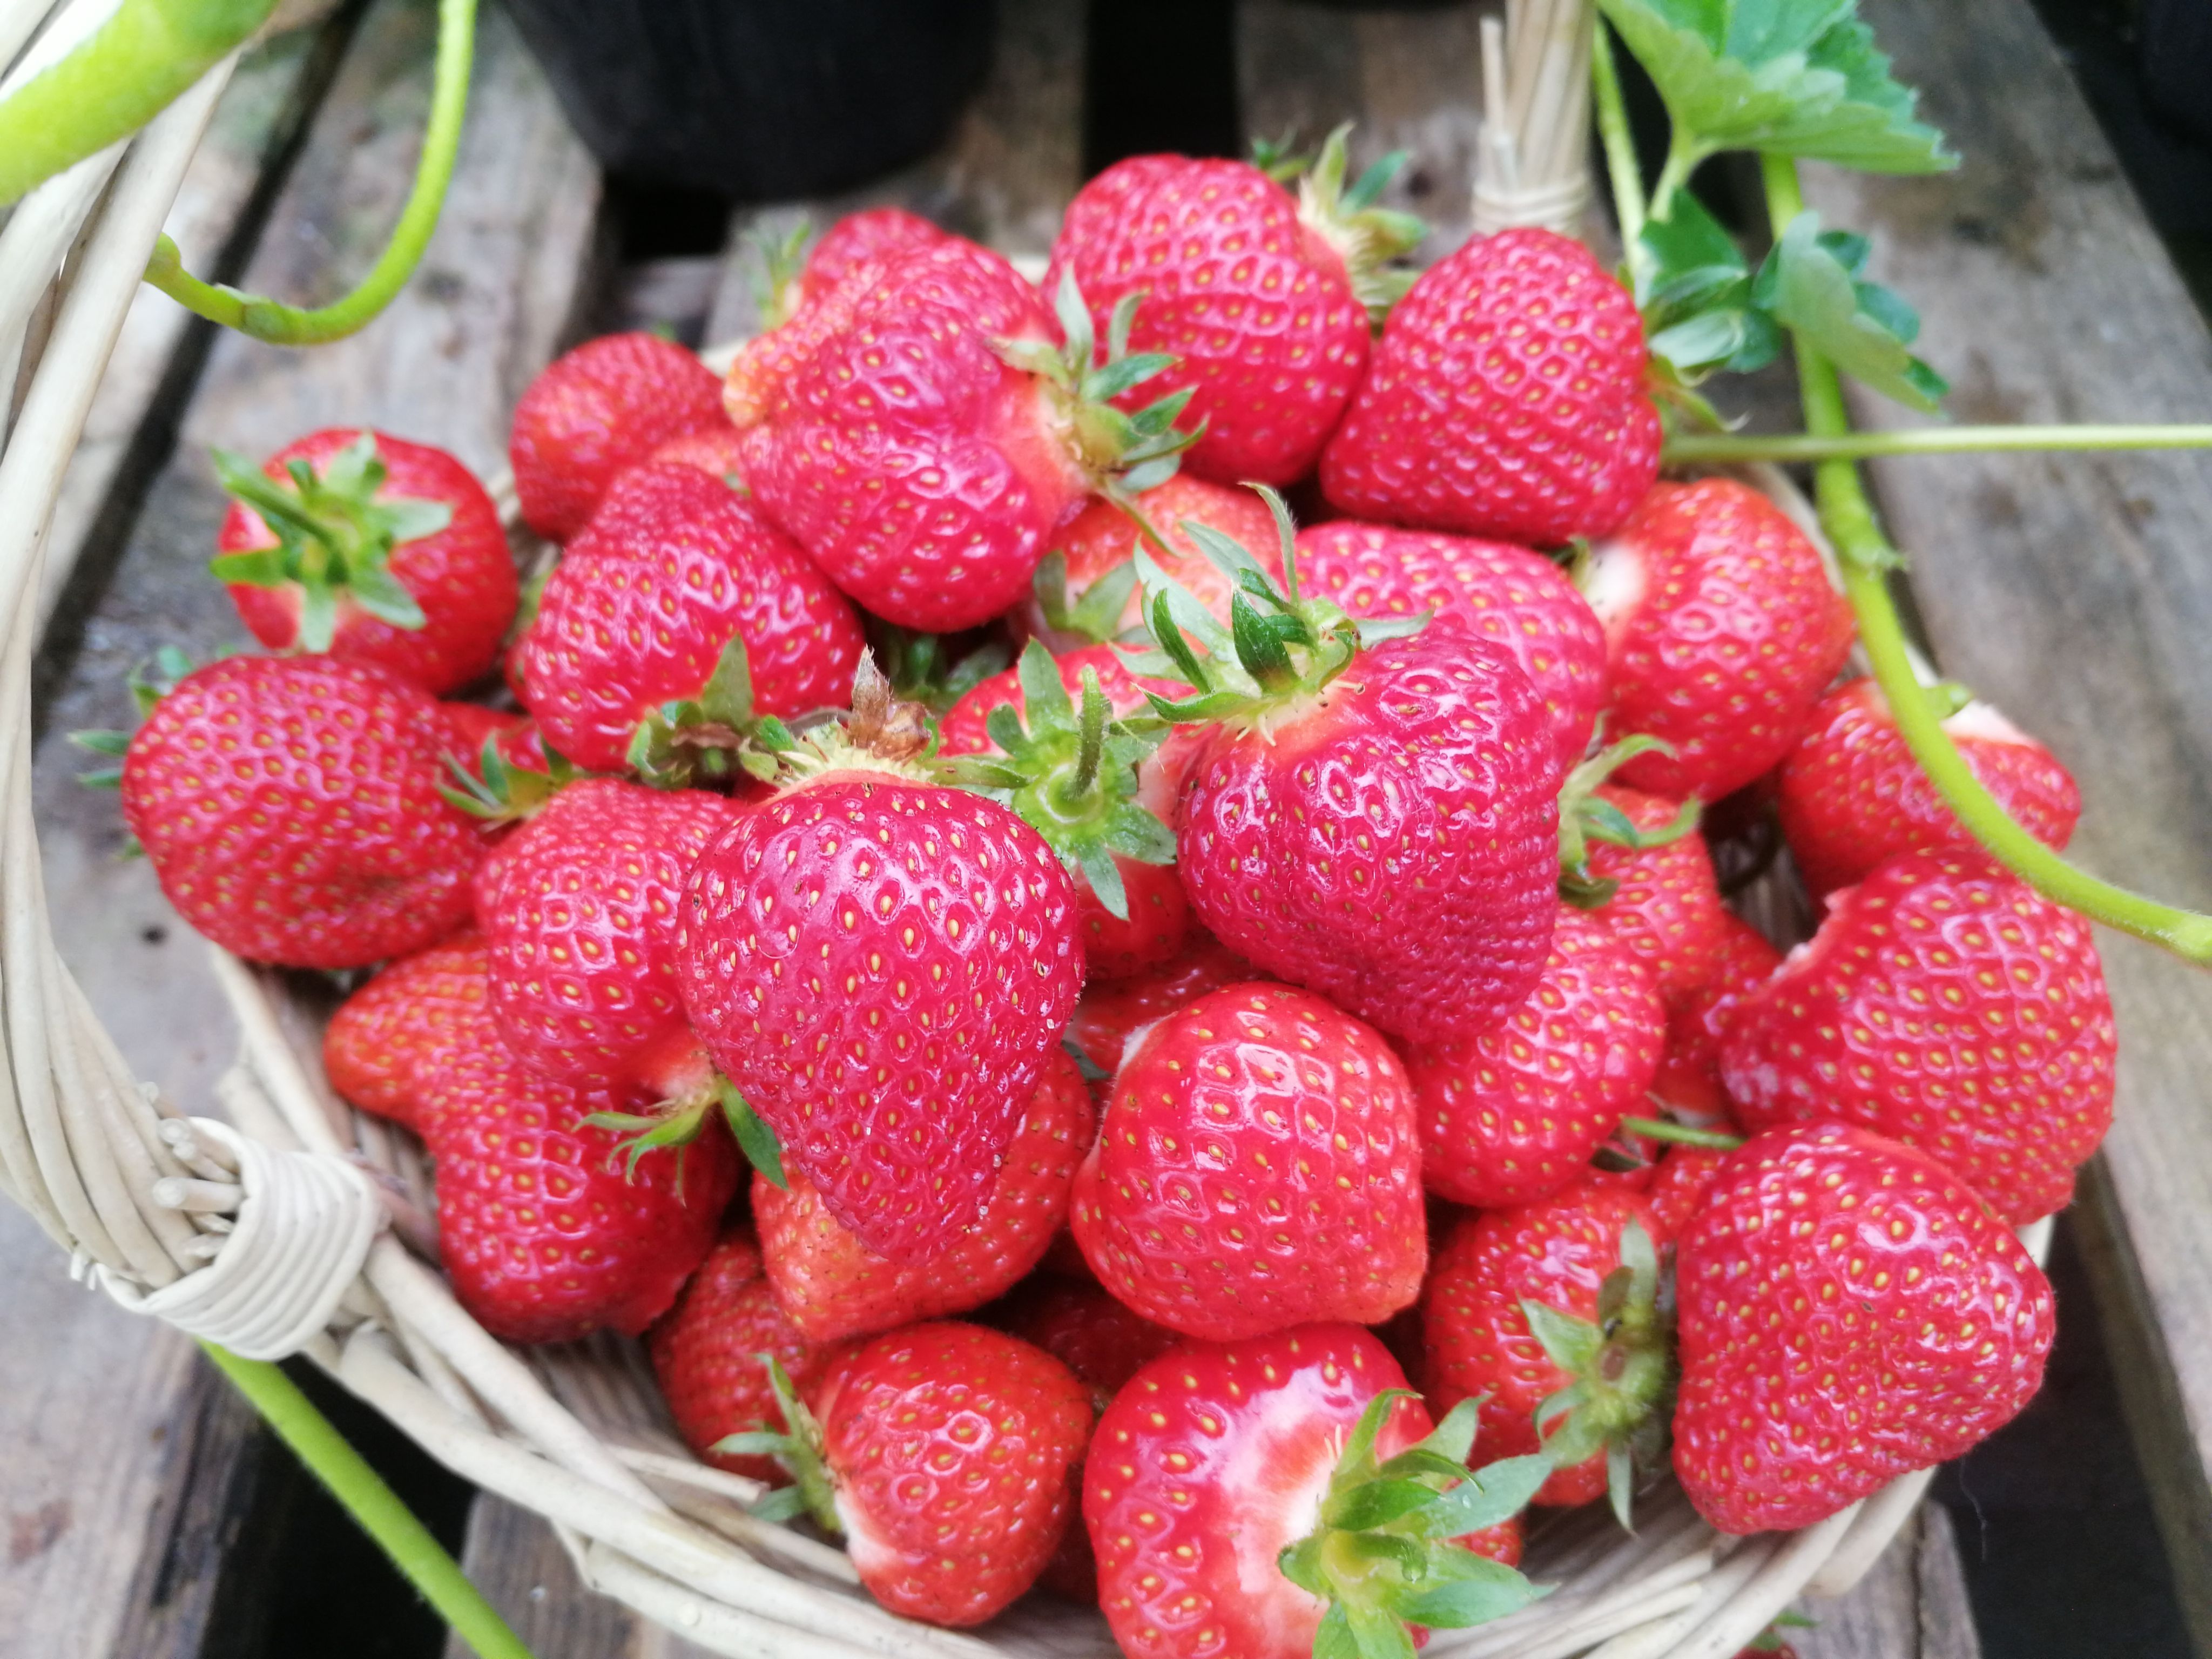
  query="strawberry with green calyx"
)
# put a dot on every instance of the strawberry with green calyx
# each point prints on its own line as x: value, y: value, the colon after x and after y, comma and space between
x: 1071, y: 774
x: 1370, y: 240
x: 1587, y: 816
x: 363, y: 545
x: 514, y: 776
x: 1085, y: 591
x: 891, y: 1026
x: 1286, y: 1496
x: 1549, y: 1314
x: 676, y: 621
x: 934, y: 1433
x: 931, y: 669
x: 1344, y: 765
x: 924, y: 428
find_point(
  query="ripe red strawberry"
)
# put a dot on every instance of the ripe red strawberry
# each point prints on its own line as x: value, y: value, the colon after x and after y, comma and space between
x: 1231, y: 1497
x: 1110, y: 1014
x: 1849, y: 1311
x: 922, y: 432
x: 591, y: 413
x: 1245, y: 1126
x: 290, y: 806
x: 1097, y: 597
x: 469, y: 724
x: 948, y: 1454
x: 548, y: 1231
x: 1721, y: 629
x: 1851, y: 795
x: 1323, y: 816
x: 716, y: 450
x: 1505, y: 398
x: 835, y: 1287
x: 707, y: 1354
x: 1665, y: 902
x: 1686, y: 1174
x: 640, y: 617
x: 1557, y: 1256
x: 1253, y: 293
x: 1688, y: 1080
x: 390, y: 1035
x: 368, y: 547
x: 1945, y: 1004
x: 579, y: 908
x: 1514, y: 598
x: 858, y: 238
x: 1513, y: 1114
x: 1153, y: 914
x: 881, y: 965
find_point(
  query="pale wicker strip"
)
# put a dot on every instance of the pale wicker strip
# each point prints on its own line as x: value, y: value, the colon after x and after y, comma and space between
x: 1532, y: 160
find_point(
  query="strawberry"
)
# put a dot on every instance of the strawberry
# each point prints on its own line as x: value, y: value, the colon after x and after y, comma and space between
x: 1850, y: 794
x: 596, y: 410
x: 579, y: 909
x: 1660, y: 898
x: 716, y: 450
x: 880, y: 965
x: 834, y: 1287
x: 368, y: 547
x: 1286, y: 1495
x: 1133, y: 915
x: 1087, y: 587
x: 948, y: 1456
x: 1721, y: 629
x: 1686, y: 1173
x: 1517, y: 599
x: 707, y: 1354
x: 1945, y: 1004
x: 1102, y: 1341
x: 1261, y: 298
x: 470, y: 725
x: 674, y: 620
x: 1849, y: 1311
x: 856, y: 239
x: 1244, y: 1127
x: 389, y: 1037
x: 1518, y: 1313
x: 1505, y: 399
x: 1109, y: 1015
x: 1325, y: 817
x: 1513, y: 1114
x: 290, y: 806
x: 922, y: 432
x: 1688, y: 1080
x: 547, y: 1231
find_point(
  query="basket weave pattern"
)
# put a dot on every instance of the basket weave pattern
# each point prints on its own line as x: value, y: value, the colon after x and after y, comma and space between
x: 295, y: 1225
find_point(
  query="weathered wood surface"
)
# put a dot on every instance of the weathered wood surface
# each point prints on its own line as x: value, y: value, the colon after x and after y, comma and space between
x: 2075, y: 591
x: 123, y: 1470
x: 1911, y: 1606
x: 1012, y: 162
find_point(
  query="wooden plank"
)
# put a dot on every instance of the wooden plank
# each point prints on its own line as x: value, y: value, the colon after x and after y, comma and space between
x: 124, y: 1471
x: 1004, y: 176
x: 2075, y: 592
x: 1410, y: 80
x: 513, y: 1558
x: 1911, y: 1606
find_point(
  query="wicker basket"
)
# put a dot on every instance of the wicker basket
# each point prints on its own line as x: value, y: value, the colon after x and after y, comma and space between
x: 292, y: 1225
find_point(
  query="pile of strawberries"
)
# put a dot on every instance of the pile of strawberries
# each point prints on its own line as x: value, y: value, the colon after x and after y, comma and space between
x: 1244, y: 1094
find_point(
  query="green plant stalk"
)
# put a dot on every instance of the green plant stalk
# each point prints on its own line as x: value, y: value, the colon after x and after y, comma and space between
x: 1683, y: 156
x: 1682, y: 1134
x: 1622, y: 171
x: 282, y: 324
x: 1728, y: 447
x: 110, y: 84
x: 1867, y: 558
x: 373, y: 1505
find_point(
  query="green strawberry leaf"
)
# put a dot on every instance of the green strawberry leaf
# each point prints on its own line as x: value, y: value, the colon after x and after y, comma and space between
x: 1790, y: 77
x: 1810, y: 284
x: 1695, y: 288
x: 1495, y: 1492
x: 755, y: 1139
x: 1473, y: 1590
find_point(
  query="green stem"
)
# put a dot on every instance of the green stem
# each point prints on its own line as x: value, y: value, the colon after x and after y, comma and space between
x: 1683, y: 155
x: 1621, y: 168
x: 373, y: 1505
x: 1682, y: 1134
x: 1728, y: 447
x: 1867, y: 557
x: 123, y: 75
x: 283, y: 325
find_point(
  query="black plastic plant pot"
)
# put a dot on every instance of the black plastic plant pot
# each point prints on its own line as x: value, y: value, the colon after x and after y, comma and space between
x: 758, y: 100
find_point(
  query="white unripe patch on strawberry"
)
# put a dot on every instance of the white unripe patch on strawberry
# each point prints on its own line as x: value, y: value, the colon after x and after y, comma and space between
x: 1984, y: 722
x: 1614, y: 581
